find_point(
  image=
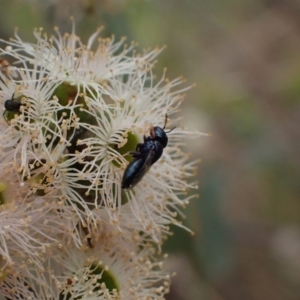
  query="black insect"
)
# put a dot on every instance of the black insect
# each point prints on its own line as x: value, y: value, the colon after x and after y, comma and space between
x: 11, y: 105
x: 145, y: 155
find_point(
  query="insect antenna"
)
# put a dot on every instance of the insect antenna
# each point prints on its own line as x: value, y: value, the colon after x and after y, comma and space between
x: 170, y: 130
x: 166, y: 120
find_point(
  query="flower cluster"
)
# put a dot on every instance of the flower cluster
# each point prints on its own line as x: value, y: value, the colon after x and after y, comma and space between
x: 72, y: 113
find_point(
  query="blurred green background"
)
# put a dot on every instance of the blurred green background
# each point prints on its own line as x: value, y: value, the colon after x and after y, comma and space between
x: 245, y: 57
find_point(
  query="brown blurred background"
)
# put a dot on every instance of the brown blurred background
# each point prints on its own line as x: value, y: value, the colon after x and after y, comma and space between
x: 245, y: 58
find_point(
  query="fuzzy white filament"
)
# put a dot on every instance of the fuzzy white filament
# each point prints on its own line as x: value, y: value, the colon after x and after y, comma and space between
x: 74, y: 113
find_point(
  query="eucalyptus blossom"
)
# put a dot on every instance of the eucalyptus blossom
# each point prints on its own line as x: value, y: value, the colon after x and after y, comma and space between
x: 72, y: 114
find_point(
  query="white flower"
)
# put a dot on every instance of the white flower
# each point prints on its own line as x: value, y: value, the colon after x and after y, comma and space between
x: 112, y: 112
x: 115, y: 268
x: 72, y: 118
x: 26, y: 141
x: 29, y: 228
x: 68, y: 59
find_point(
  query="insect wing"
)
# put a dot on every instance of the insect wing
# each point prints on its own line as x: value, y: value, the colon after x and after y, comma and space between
x: 136, y: 170
x: 148, y: 161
